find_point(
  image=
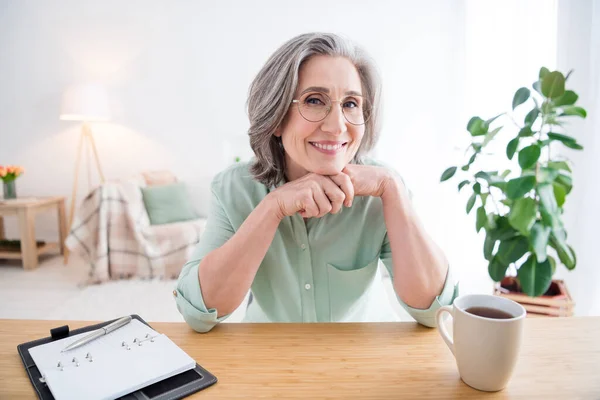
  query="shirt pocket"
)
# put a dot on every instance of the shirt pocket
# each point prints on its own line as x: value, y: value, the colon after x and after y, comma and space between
x: 348, y: 289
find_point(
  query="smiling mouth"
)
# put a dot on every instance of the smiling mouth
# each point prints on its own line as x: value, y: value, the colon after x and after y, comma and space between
x: 329, y: 148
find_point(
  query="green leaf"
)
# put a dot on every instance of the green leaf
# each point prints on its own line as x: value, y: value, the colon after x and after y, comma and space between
x: 539, y: 240
x: 503, y: 229
x: 519, y: 187
x: 564, y: 251
x: 490, y: 135
x: 559, y: 165
x: 481, y: 219
x: 573, y: 145
x: 568, y: 141
x: 496, y: 269
x: 535, y: 277
x: 465, y: 167
x: 523, y: 214
x: 477, y: 126
x: 552, y: 264
x: 566, y: 181
x: 472, y: 159
x: 547, y: 175
x: 537, y: 85
x: 505, y: 173
x: 463, y: 183
x: 543, y: 72
x: 483, y: 175
x: 471, y: 202
x: 489, y: 121
x: 553, y: 85
x: 561, y: 137
x: 488, y: 244
x: 512, y: 250
x: 526, y: 131
x: 476, y: 147
x: 577, y: 111
x: 529, y: 155
x: 547, y: 198
x: 520, y: 97
x: 512, y: 147
x: 532, y: 116
x: 567, y: 99
x: 560, y: 193
x: 477, y: 187
x: 448, y: 173
x: 484, y: 197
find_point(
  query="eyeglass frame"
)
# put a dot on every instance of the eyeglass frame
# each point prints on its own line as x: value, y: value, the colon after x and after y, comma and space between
x: 297, y: 102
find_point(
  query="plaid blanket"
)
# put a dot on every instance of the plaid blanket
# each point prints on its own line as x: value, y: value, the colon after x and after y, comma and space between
x: 112, y: 232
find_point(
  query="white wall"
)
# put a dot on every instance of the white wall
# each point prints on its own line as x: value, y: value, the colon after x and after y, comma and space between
x: 178, y: 74
x: 579, y: 50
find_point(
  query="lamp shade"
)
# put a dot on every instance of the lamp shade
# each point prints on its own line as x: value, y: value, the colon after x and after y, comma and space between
x: 87, y: 102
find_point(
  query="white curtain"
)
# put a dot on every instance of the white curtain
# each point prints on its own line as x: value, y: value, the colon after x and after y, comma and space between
x: 579, y: 49
x: 478, y: 54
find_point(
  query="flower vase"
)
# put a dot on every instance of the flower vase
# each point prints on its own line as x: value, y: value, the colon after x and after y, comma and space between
x: 10, y: 190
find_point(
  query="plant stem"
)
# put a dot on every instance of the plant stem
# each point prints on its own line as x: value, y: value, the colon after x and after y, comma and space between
x: 493, y: 200
x: 514, y: 122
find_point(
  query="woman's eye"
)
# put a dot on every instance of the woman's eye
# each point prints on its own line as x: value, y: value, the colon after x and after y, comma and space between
x: 350, y: 104
x: 314, y: 101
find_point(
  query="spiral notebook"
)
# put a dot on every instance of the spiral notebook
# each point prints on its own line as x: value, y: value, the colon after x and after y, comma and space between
x: 121, y: 362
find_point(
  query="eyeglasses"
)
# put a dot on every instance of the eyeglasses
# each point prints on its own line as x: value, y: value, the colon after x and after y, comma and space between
x: 316, y: 106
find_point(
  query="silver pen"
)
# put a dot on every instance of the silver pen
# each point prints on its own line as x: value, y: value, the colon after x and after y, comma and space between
x: 98, y: 333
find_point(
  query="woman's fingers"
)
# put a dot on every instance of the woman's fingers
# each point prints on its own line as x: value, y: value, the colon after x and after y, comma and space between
x: 344, y: 182
x: 306, y: 205
x: 321, y: 199
x: 335, y: 195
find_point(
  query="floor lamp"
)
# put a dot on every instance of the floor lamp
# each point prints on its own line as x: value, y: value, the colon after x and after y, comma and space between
x: 85, y: 103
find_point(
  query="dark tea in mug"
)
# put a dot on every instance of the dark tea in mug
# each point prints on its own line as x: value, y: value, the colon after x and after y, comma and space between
x: 488, y: 312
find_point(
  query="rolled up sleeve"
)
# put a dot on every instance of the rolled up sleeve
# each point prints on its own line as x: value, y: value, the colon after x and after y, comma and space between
x: 188, y: 290
x: 427, y: 316
x: 188, y: 296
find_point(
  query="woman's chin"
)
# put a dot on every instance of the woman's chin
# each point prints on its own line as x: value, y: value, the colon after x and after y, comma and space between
x: 332, y: 169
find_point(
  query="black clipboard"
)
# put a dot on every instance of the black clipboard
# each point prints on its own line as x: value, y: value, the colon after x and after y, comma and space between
x: 173, y: 388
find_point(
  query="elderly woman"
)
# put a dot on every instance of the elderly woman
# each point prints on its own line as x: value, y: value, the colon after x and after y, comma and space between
x: 305, y: 223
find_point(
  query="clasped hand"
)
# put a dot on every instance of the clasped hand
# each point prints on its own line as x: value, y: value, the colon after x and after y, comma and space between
x: 315, y: 195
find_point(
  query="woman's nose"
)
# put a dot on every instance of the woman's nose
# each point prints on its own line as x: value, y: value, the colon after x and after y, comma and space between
x: 334, y: 122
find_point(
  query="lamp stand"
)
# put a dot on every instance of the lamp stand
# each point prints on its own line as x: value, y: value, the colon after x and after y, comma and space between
x: 86, y: 136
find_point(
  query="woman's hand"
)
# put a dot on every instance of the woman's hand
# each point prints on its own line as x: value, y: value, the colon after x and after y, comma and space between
x: 313, y: 195
x: 368, y: 180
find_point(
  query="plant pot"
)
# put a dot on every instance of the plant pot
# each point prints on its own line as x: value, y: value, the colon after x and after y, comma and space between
x: 556, y: 302
x: 10, y: 190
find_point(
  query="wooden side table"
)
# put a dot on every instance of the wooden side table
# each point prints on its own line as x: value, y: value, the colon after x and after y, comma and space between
x: 25, y: 209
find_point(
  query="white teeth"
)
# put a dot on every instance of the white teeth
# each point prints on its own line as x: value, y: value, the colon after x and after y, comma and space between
x: 329, y: 147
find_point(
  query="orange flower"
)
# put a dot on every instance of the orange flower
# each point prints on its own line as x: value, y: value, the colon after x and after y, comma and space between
x: 11, y: 172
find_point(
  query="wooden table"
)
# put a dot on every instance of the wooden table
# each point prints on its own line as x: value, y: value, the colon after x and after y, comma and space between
x: 560, y: 359
x: 25, y: 210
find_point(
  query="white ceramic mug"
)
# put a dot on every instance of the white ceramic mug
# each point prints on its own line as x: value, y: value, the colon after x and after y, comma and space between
x: 485, y: 349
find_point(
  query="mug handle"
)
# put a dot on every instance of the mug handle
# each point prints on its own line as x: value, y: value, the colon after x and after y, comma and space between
x: 442, y: 327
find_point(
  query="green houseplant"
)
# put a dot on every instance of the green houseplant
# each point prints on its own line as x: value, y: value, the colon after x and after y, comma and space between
x: 520, y: 208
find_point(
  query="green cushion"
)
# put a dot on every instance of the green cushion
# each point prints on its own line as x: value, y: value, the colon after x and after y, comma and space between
x: 168, y: 203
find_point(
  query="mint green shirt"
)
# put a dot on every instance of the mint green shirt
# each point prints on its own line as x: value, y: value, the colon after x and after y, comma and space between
x: 321, y: 270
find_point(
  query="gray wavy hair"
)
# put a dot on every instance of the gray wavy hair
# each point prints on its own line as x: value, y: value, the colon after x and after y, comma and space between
x: 273, y: 89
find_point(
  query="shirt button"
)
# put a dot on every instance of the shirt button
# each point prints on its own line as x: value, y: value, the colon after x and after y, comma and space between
x: 175, y: 293
x: 307, y: 286
x: 303, y: 246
